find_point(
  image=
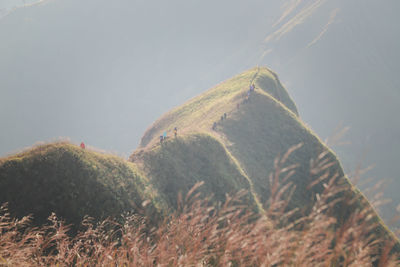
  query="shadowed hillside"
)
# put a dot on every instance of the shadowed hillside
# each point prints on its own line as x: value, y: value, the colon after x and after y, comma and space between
x: 71, y: 182
x: 178, y: 164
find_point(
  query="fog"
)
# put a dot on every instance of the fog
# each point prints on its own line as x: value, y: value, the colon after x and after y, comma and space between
x: 7, y: 6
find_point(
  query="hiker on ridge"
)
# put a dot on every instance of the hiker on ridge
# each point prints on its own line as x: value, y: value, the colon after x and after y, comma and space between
x: 83, y: 145
x: 247, y: 96
x: 225, y: 116
x: 176, y: 131
x: 214, y: 126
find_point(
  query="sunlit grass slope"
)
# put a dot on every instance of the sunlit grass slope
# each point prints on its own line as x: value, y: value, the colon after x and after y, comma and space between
x: 72, y: 182
x: 198, y: 114
x: 254, y: 133
x: 178, y: 164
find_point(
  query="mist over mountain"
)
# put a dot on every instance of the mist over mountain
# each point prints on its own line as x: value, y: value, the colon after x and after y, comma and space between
x: 102, y: 71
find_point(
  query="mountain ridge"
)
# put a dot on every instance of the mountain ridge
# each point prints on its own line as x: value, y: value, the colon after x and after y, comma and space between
x: 257, y: 131
x: 206, y: 108
x: 261, y: 134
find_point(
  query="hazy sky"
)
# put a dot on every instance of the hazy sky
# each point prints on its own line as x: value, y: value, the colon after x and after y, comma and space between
x: 10, y: 4
x: 7, y: 4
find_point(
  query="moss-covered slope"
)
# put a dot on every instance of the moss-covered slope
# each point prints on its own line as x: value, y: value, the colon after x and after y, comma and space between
x: 72, y: 182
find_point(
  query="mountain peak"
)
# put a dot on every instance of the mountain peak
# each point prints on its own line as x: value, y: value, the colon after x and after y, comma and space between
x: 201, y: 112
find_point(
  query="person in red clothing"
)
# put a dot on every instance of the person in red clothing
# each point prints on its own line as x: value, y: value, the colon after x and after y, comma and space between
x: 83, y: 145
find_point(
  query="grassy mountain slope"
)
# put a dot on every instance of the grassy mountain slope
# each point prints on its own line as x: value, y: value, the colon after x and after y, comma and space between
x: 178, y: 164
x: 262, y: 130
x: 263, y: 127
x: 198, y: 114
x: 71, y: 182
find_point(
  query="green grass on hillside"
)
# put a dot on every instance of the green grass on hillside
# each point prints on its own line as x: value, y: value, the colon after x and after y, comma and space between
x: 199, y: 114
x: 72, y: 182
x: 178, y: 164
x: 262, y: 130
x: 274, y: 88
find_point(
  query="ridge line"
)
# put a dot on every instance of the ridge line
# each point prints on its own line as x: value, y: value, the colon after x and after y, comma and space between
x: 251, y: 185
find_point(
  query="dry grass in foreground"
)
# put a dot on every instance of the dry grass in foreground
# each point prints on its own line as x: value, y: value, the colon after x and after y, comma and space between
x: 199, y: 234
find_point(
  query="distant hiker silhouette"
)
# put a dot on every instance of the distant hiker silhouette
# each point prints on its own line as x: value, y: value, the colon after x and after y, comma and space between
x: 83, y: 145
x: 225, y: 116
x: 214, y: 126
x: 248, y: 96
x: 161, y: 139
x: 222, y: 118
x: 175, y: 131
x: 252, y: 87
